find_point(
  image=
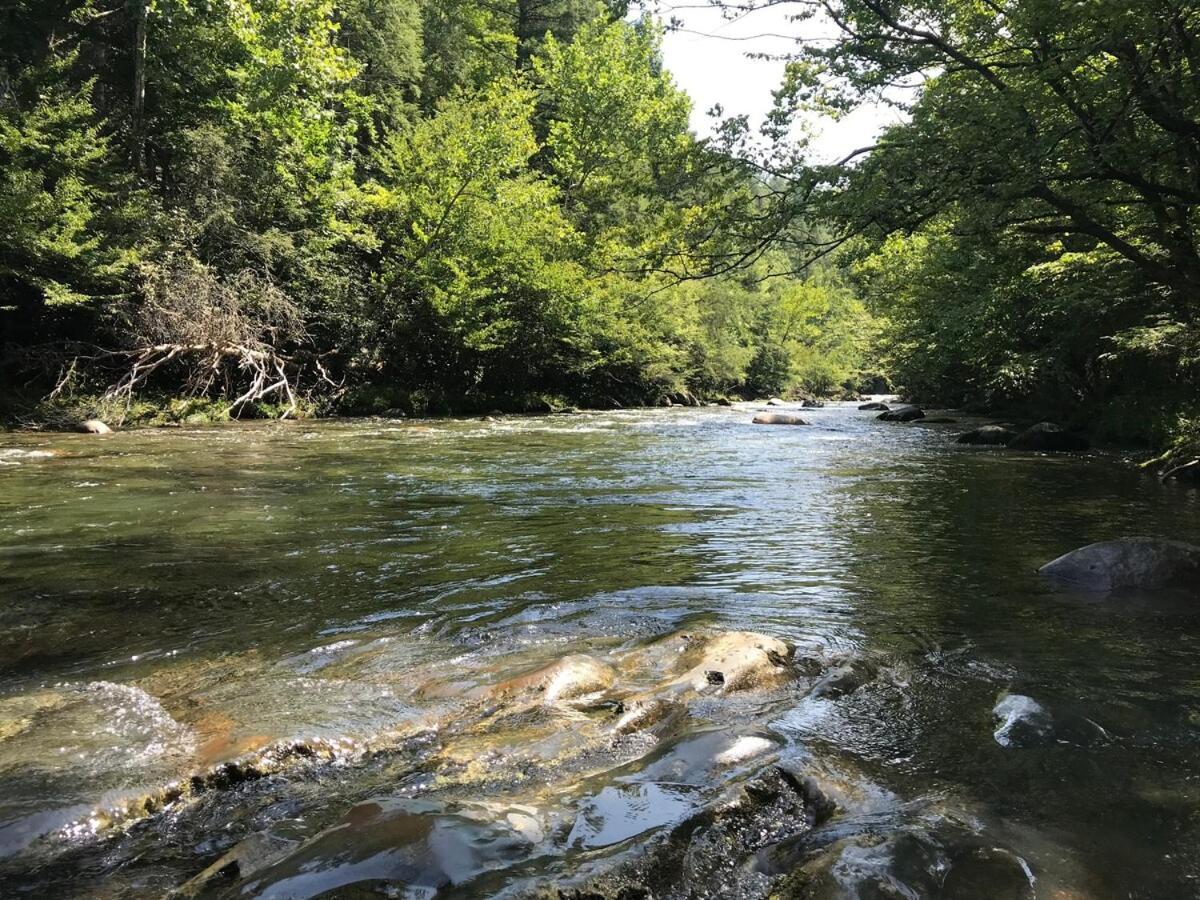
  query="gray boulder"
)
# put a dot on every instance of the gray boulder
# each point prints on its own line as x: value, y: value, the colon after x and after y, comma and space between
x: 987, y: 436
x: 1046, y: 436
x: 1136, y: 562
x: 874, y: 406
x: 902, y: 414
x: 778, y: 419
x: 93, y: 426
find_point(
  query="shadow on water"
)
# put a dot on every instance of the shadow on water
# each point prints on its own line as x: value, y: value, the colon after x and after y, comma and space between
x: 185, y: 598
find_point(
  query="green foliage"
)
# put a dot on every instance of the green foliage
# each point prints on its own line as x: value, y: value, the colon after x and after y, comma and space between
x: 405, y: 204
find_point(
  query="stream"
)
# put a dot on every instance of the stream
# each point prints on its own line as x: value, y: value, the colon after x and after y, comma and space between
x: 286, y: 659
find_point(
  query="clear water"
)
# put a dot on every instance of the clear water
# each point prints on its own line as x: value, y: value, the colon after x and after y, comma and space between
x: 173, y: 599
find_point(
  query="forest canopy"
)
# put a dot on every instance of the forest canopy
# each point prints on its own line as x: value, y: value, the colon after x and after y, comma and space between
x: 370, y: 205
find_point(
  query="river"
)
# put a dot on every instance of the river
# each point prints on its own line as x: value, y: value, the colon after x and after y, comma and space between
x: 332, y: 599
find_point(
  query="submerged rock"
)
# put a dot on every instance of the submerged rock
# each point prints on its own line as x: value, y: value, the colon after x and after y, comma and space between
x: 874, y: 406
x: 736, y: 661
x: 1023, y: 722
x: 988, y: 872
x: 568, y: 678
x: 410, y: 848
x: 1136, y: 562
x: 902, y: 414
x: 778, y: 419
x: 939, y: 420
x: 93, y: 426
x: 246, y: 858
x: 987, y: 436
x: 1048, y: 437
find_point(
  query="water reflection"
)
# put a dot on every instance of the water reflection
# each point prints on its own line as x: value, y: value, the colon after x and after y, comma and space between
x: 286, y: 582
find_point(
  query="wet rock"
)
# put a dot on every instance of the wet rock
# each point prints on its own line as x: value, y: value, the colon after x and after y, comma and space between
x: 1022, y: 722
x: 901, y: 866
x: 397, y: 848
x: 775, y: 401
x: 736, y: 661
x: 1048, y: 437
x: 778, y: 419
x: 646, y: 712
x: 939, y: 420
x: 874, y: 406
x: 987, y: 436
x: 568, y: 678
x: 247, y: 858
x: 810, y: 403
x: 93, y: 426
x: 843, y: 679
x: 1136, y: 562
x: 988, y: 872
x: 724, y: 401
x: 902, y: 414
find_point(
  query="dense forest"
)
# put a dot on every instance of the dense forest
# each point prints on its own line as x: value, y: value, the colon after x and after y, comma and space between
x: 281, y: 206
x: 272, y: 206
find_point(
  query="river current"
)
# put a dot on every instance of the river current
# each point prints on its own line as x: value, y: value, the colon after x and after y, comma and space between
x: 278, y: 639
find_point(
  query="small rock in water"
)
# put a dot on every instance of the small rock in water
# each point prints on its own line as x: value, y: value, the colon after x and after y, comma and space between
x: 902, y: 414
x: 737, y: 660
x: 1136, y: 562
x: 778, y: 419
x: 987, y: 436
x: 1023, y: 722
x: 775, y: 401
x: 874, y: 406
x: 93, y: 426
x: 1048, y: 437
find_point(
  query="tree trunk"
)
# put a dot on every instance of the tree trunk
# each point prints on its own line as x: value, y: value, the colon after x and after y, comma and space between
x: 141, y: 14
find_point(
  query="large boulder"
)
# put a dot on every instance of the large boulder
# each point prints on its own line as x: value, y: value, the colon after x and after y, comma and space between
x: 874, y: 406
x: 1136, y: 562
x: 1046, y: 436
x: 902, y: 414
x: 987, y: 436
x: 778, y: 419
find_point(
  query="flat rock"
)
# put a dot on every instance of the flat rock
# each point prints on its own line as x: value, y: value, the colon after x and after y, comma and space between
x: 778, y: 419
x: 874, y: 406
x: 1135, y: 562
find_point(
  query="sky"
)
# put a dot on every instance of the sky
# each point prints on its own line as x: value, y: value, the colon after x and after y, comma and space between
x: 708, y: 58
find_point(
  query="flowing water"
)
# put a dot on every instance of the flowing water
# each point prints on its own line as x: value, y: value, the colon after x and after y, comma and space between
x: 279, y: 638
